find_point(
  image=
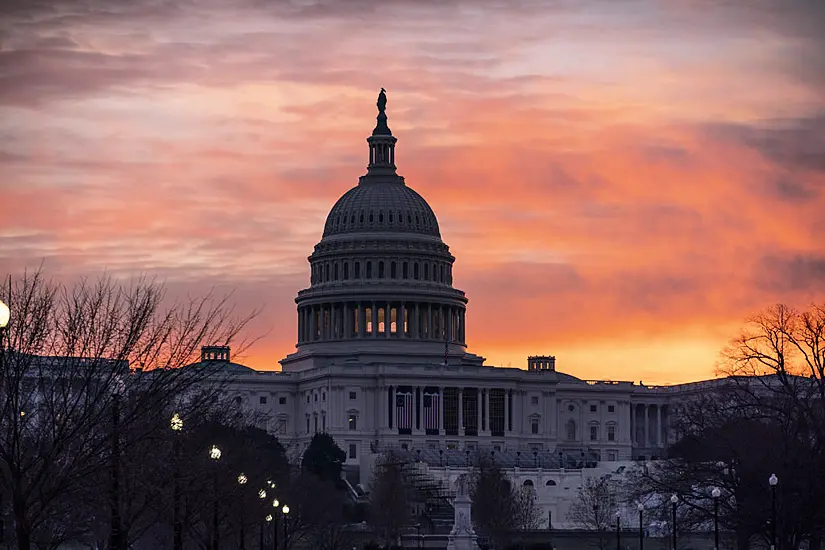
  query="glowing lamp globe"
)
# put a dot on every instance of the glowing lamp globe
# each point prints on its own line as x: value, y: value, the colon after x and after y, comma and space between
x: 5, y: 314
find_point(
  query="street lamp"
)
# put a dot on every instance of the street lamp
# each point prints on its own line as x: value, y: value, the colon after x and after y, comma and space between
x: 215, y: 454
x: 242, y: 480
x: 641, y: 508
x: 285, y: 512
x: 176, y: 424
x: 674, y: 500
x: 773, y: 480
x: 618, y: 531
x: 716, y: 493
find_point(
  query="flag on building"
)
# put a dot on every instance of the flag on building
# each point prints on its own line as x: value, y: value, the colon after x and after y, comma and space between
x: 404, y: 410
x: 431, y: 411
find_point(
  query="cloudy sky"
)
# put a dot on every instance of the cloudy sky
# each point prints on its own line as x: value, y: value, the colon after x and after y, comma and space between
x: 621, y: 181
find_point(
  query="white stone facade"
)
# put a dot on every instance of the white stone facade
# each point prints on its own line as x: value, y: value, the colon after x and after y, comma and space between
x: 382, y: 361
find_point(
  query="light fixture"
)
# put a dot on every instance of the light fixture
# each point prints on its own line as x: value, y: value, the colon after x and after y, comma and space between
x: 269, y: 517
x: 275, y: 503
x: 5, y: 314
x: 773, y: 480
x: 640, y: 507
x: 262, y: 494
x: 716, y: 493
x: 215, y: 453
x: 674, y: 499
x: 285, y: 509
x: 176, y: 423
x: 242, y: 479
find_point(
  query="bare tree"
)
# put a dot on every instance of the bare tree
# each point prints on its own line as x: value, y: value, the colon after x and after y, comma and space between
x: 389, y: 498
x: 499, y: 508
x: 87, y: 369
x: 765, y: 418
x: 594, y: 507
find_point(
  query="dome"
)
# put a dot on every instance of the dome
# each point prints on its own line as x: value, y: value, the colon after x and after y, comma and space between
x: 381, y: 206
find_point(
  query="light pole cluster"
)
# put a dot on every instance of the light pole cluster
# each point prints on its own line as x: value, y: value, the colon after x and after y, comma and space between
x: 176, y: 424
x: 772, y: 481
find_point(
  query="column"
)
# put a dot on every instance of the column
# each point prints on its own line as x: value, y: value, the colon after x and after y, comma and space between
x: 300, y: 325
x: 392, y: 406
x: 419, y: 403
x: 506, y: 411
x: 479, y: 397
x: 429, y: 321
x: 374, y: 321
x: 646, y: 437
x: 362, y: 320
x: 441, y: 410
x: 347, y: 320
x: 313, y: 323
x: 487, y: 410
x: 460, y: 411
x: 658, y: 425
x: 415, y: 329
x: 402, y: 314
x: 387, y: 320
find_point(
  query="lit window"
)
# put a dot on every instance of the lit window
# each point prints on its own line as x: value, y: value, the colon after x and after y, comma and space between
x: 352, y: 420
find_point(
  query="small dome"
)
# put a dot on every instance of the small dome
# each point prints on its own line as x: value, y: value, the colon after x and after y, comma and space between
x: 381, y: 206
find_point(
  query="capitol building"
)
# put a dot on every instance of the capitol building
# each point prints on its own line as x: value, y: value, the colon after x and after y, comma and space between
x: 382, y: 362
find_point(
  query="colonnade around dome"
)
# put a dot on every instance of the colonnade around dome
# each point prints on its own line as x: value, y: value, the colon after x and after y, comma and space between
x: 381, y: 320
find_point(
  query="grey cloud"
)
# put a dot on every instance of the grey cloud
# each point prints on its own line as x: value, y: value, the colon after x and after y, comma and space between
x: 788, y: 272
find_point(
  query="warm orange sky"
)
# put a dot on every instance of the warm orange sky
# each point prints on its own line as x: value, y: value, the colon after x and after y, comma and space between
x: 621, y: 181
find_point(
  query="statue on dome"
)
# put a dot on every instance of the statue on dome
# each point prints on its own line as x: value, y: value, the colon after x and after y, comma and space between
x: 382, y: 101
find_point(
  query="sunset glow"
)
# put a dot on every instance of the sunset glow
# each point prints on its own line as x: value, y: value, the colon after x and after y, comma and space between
x: 621, y: 182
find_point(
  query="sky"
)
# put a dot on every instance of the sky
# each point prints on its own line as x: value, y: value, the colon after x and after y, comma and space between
x: 622, y: 182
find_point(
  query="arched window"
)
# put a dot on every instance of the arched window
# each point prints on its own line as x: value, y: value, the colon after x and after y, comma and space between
x: 380, y: 217
x: 415, y: 271
x: 393, y: 270
x: 550, y: 483
x: 335, y: 271
x: 426, y: 272
x: 357, y: 270
x: 326, y: 272
x: 372, y: 217
x: 346, y: 270
x: 405, y: 271
x: 380, y: 270
x: 528, y: 483
x: 369, y: 270
x: 570, y: 429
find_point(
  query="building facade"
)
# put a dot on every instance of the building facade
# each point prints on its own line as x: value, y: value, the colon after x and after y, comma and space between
x: 381, y: 360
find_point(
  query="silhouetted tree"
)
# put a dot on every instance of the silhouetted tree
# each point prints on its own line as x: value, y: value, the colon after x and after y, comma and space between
x: 594, y: 507
x: 70, y: 348
x: 498, y: 508
x: 323, y: 458
x: 765, y: 417
x: 389, y: 498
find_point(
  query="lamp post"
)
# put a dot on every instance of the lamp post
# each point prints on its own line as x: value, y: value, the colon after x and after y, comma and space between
x: 268, y: 518
x: 5, y: 314
x: 215, y: 454
x: 115, y: 534
x: 641, y: 508
x: 716, y: 493
x: 673, y: 501
x: 176, y: 423
x: 285, y: 512
x: 618, y: 531
x: 772, y: 481
x: 242, y: 480
x: 275, y: 505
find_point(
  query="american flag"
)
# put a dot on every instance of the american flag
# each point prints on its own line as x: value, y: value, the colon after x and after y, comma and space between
x: 404, y: 410
x: 431, y: 411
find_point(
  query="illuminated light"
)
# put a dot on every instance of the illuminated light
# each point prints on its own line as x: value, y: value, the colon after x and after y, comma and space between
x: 275, y: 503
x: 242, y: 479
x: 285, y: 509
x: 5, y: 314
x: 176, y: 423
x: 22, y: 413
x: 262, y: 494
x: 215, y: 453
x: 269, y: 517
